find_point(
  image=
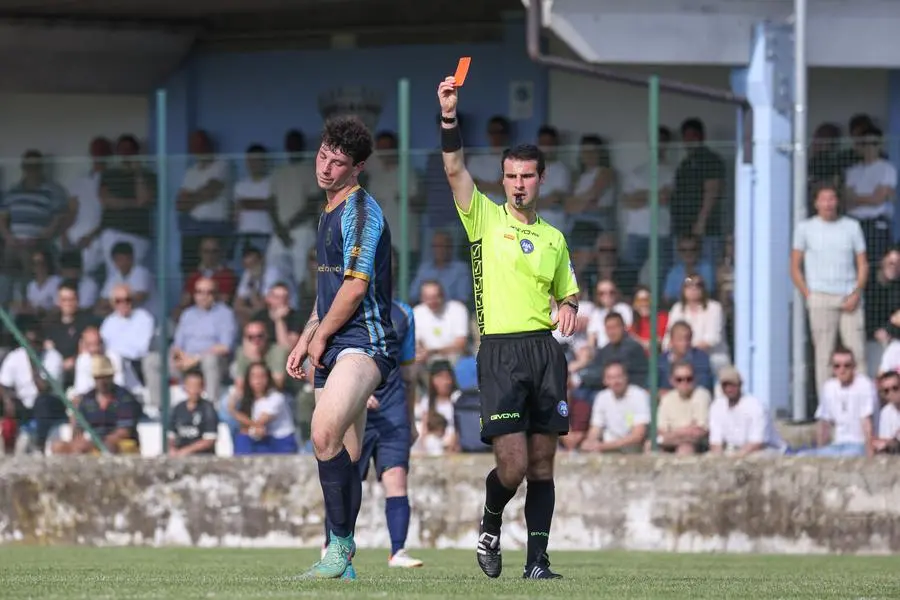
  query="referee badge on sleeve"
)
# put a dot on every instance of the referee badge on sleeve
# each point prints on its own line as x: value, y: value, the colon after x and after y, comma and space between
x: 563, y: 408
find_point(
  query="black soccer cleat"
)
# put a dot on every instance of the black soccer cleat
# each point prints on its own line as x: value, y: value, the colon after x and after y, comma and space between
x: 540, y: 569
x: 488, y: 553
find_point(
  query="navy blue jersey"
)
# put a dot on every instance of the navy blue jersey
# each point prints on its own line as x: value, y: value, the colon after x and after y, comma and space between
x: 393, y: 393
x: 354, y: 241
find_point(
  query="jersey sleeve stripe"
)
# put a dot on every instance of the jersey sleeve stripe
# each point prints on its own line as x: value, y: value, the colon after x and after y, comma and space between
x: 356, y: 275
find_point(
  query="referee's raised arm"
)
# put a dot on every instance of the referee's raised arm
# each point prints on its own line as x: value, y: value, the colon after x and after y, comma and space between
x: 451, y: 144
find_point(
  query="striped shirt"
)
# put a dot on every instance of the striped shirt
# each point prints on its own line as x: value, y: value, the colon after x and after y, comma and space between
x: 31, y: 211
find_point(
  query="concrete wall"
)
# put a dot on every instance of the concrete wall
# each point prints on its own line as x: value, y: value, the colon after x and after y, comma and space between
x: 639, y: 503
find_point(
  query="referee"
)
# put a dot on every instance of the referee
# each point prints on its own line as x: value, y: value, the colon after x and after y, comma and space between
x: 518, y: 263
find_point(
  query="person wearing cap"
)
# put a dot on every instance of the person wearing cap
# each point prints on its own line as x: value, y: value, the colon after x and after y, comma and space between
x: 739, y: 423
x: 110, y: 410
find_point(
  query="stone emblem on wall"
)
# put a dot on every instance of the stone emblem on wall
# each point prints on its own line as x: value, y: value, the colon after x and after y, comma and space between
x: 366, y: 103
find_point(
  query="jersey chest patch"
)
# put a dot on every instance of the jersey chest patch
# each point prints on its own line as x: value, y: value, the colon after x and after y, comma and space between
x: 527, y: 246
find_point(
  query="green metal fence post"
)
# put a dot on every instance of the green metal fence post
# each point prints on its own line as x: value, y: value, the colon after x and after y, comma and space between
x: 653, y: 127
x: 403, y: 126
x: 162, y: 261
x: 57, y: 388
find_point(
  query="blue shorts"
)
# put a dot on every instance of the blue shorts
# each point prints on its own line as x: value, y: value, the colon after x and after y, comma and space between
x: 244, y: 445
x: 384, y: 362
x: 386, y: 442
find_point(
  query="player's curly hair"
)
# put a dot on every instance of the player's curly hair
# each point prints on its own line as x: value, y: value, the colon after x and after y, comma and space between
x: 348, y: 135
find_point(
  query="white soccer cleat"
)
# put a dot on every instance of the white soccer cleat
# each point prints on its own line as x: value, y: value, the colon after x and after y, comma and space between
x: 404, y: 561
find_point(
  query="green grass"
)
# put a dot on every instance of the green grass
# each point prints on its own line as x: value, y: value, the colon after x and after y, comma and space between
x: 177, y: 574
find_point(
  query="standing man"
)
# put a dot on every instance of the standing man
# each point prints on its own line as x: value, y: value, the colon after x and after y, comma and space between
x: 829, y: 268
x: 518, y: 263
x: 349, y: 335
x: 390, y: 432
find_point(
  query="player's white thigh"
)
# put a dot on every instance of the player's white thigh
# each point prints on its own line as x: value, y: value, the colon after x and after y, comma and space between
x: 352, y: 380
x: 394, y: 482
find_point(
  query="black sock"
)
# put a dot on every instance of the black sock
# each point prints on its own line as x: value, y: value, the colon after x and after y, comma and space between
x: 335, y: 476
x: 354, y: 497
x: 496, y: 497
x: 540, y: 500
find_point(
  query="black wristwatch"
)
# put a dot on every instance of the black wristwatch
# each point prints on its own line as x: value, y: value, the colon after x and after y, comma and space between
x: 448, y: 120
x: 570, y: 303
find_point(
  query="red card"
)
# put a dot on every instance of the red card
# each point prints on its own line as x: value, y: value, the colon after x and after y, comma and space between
x: 462, y: 69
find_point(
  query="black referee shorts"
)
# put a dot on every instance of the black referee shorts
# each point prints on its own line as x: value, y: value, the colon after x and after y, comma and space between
x: 522, y: 379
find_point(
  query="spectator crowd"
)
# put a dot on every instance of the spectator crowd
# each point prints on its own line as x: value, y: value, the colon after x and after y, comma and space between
x: 79, y: 279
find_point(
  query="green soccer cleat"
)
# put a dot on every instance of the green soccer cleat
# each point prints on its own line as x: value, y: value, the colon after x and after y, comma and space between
x: 336, y: 562
x: 349, y: 573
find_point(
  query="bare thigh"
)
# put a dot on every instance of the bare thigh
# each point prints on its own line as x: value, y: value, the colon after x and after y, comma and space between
x: 339, y: 418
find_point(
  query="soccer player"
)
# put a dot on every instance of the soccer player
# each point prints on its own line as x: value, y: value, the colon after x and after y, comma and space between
x: 518, y: 263
x: 391, y: 431
x: 349, y: 334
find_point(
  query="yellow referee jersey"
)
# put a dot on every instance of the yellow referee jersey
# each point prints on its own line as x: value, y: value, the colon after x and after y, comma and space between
x: 516, y: 268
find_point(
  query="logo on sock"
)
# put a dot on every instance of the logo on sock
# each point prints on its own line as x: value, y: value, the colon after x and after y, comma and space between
x: 563, y: 408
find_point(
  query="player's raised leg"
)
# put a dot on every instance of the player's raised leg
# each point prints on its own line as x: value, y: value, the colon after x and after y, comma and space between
x: 540, y: 502
x: 340, y: 407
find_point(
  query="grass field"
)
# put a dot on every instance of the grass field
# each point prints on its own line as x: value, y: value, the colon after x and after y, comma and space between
x: 177, y: 574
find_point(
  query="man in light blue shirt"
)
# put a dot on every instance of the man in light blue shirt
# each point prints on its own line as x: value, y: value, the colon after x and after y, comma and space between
x: 205, y: 337
x: 829, y: 268
x: 455, y: 275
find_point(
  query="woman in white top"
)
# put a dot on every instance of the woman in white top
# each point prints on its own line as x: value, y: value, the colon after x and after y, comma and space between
x: 442, y: 395
x: 594, y: 198
x: 40, y: 294
x: 706, y: 319
x: 265, y: 419
x: 606, y: 301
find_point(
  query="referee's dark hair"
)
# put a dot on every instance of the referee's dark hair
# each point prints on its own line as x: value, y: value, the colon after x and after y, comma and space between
x: 350, y: 136
x: 525, y: 152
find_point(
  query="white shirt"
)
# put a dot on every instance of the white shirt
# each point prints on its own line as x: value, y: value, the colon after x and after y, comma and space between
x: 557, y: 179
x: 198, y: 177
x: 829, y: 253
x: 16, y: 373
x: 597, y: 323
x: 864, y: 179
x: 745, y: 423
x: 889, y: 423
x: 88, y: 292
x: 84, y: 378
x: 282, y: 423
x: 586, y: 182
x: 443, y: 408
x: 487, y: 168
x: 708, y: 326
x: 440, y: 330
x: 87, y: 192
x: 253, y: 221
x: 43, y: 295
x: 248, y: 285
x: 637, y: 220
x: 384, y: 185
x: 617, y: 416
x: 292, y: 185
x: 138, y: 279
x: 846, y: 407
x: 890, y: 360
x: 128, y: 337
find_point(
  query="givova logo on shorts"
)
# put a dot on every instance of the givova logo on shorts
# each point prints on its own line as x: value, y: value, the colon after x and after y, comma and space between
x: 505, y: 416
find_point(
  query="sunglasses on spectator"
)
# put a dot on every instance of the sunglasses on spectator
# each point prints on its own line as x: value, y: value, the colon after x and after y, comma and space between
x: 842, y: 365
x: 730, y: 384
x: 122, y: 300
x: 255, y: 337
x: 685, y: 379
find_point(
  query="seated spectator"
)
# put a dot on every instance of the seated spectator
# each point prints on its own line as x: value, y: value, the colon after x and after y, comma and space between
x: 689, y: 261
x: 606, y: 265
x: 683, y: 414
x: 127, y: 195
x: 846, y: 406
x: 606, y: 301
x: 706, y: 319
x: 204, y: 337
x: 888, y: 440
x: 283, y: 324
x: 27, y: 393
x: 40, y: 293
x: 739, y: 424
x: 212, y: 267
x: 882, y: 297
x: 257, y: 347
x: 91, y: 346
x: 266, y: 423
x: 455, y: 276
x: 556, y: 185
x: 111, y: 411
x: 442, y: 326
x: 128, y: 332
x: 124, y: 270
x: 433, y: 440
x: 256, y: 281
x: 194, y: 424
x: 83, y: 235
x: 383, y: 171
x: 890, y: 357
x: 621, y: 349
x: 484, y: 163
x: 254, y: 203
x: 65, y: 329
x: 441, y: 397
x: 31, y: 215
x: 594, y: 196
x: 70, y: 268
x: 620, y: 414
x: 681, y: 349
x: 576, y: 346
x: 640, y: 326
